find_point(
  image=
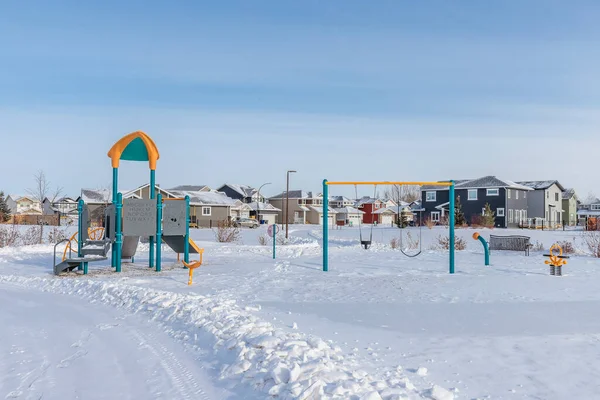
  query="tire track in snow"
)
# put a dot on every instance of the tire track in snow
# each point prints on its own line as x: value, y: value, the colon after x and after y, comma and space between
x: 183, y: 380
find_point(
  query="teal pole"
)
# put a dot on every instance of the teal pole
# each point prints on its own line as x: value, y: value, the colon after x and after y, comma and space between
x: 158, y: 230
x: 115, y: 190
x: 486, y: 249
x: 274, y: 234
x: 451, y: 222
x: 79, y: 233
x: 186, y: 244
x: 325, y: 226
x: 118, y: 231
x: 152, y: 196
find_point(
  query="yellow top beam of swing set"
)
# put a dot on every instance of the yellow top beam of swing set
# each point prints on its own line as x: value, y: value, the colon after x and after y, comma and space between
x: 391, y: 183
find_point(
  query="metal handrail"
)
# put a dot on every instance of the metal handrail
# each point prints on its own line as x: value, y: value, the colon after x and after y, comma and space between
x: 55, y: 246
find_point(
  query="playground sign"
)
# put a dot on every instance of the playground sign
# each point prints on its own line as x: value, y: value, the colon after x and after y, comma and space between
x: 271, y: 229
x: 139, y: 217
x: 174, y: 216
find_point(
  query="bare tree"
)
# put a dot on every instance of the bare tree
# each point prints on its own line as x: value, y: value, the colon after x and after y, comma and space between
x: 402, y: 193
x: 591, y: 197
x: 39, y: 193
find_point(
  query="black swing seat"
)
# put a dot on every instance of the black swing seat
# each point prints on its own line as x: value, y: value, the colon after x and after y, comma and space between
x: 365, y: 243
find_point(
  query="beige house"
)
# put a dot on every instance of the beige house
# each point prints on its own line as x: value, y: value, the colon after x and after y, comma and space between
x: 569, y: 206
x: 304, y: 207
x: 23, y: 205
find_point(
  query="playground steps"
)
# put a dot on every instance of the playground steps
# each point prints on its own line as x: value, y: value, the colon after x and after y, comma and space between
x: 71, y: 263
x: 95, y: 248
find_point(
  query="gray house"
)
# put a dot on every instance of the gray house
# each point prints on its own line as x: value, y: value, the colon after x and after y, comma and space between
x: 545, y: 202
x: 569, y: 205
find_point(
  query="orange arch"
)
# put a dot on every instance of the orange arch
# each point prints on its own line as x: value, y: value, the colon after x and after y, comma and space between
x: 119, y: 147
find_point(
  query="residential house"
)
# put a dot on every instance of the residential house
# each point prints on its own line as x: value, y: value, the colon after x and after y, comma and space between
x: 340, y: 202
x: 569, y: 206
x: 64, y: 208
x: 588, y: 210
x: 407, y: 211
x: 348, y: 215
x: 207, y: 209
x: 369, y: 205
x: 507, y: 199
x: 193, y: 188
x: 244, y: 193
x: 24, y: 205
x: 304, y: 207
x: 545, y: 201
x: 267, y: 212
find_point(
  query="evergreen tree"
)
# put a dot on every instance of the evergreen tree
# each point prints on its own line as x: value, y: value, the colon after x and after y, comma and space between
x: 459, y: 215
x: 4, y: 210
x: 489, y: 217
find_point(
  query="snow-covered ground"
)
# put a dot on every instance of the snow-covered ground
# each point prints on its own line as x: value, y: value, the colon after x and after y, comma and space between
x: 377, y: 325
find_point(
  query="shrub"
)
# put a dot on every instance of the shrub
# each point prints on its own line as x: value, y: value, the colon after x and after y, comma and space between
x: 538, y: 246
x: 226, y: 232
x: 263, y: 240
x: 395, y: 243
x: 9, y: 235
x: 429, y: 223
x: 32, y: 235
x: 443, y: 242
x: 592, y: 240
x: 56, y: 235
x: 411, y: 243
x: 567, y: 247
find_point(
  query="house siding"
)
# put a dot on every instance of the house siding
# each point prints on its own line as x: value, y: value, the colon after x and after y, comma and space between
x: 536, y: 204
x: 570, y: 211
x: 516, y: 204
x: 229, y: 192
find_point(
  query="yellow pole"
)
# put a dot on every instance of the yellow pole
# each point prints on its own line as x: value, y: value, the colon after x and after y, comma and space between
x: 420, y: 183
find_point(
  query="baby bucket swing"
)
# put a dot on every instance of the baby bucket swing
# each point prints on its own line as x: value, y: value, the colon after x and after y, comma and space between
x: 420, y: 229
x: 363, y: 242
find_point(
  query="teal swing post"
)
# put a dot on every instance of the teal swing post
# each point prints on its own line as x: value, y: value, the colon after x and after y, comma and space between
x: 186, y: 244
x: 159, y: 207
x: 118, y: 231
x: 325, y: 226
x: 451, y: 218
x: 152, y: 190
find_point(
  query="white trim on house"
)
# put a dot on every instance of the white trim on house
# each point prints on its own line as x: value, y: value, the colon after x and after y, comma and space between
x: 500, y: 212
x: 469, y: 191
x: 206, y: 214
x: 428, y: 199
x: 497, y: 190
x: 435, y: 216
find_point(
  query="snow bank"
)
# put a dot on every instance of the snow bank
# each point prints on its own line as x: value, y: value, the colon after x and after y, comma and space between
x: 286, y: 365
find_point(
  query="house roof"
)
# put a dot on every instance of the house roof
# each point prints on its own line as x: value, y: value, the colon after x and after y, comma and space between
x: 491, y: 182
x: 206, y: 198
x: 541, y: 185
x: 295, y: 194
x: 568, y: 193
x: 366, y: 200
x: 436, y: 187
x: 320, y: 209
x: 340, y: 198
x: 16, y: 197
x: 348, y: 210
x: 243, y: 190
x: 190, y: 188
x: 262, y: 206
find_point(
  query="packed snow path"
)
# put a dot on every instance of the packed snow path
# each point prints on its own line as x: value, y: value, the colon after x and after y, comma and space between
x: 61, y: 347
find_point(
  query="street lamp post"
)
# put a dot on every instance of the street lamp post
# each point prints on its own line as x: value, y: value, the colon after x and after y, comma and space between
x: 287, y: 203
x: 258, y: 201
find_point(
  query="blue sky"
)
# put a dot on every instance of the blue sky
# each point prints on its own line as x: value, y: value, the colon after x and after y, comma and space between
x: 240, y: 91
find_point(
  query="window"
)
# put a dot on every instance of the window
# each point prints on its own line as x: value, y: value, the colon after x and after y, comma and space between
x: 555, y: 196
x: 500, y: 212
x: 517, y: 194
x: 510, y: 216
x: 430, y: 196
x: 524, y: 195
x: 472, y: 194
x: 595, y: 207
x: 493, y: 192
x: 206, y: 211
x: 435, y: 216
x: 301, y: 201
x: 547, y: 195
x: 508, y: 193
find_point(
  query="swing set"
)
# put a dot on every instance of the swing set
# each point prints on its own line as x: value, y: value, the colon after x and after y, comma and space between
x: 366, y: 244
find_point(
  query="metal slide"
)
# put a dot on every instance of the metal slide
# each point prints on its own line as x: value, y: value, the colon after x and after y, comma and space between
x: 177, y: 244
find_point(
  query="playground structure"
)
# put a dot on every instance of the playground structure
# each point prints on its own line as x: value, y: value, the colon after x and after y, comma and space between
x: 486, y: 248
x: 126, y: 220
x: 367, y: 243
x: 556, y: 261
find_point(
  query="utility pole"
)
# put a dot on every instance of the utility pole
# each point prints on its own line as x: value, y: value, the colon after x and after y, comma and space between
x: 287, y: 203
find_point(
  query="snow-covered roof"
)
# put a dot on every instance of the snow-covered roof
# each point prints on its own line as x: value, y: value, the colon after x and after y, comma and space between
x: 206, y: 198
x: 96, y: 196
x: 568, y: 193
x: 348, y: 210
x: 491, y: 182
x: 366, y: 200
x: 437, y: 187
x: 243, y: 190
x: 190, y: 188
x: 340, y: 198
x: 303, y: 208
x: 295, y: 194
x: 541, y: 185
x: 320, y: 210
x: 588, y: 212
x: 262, y: 206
